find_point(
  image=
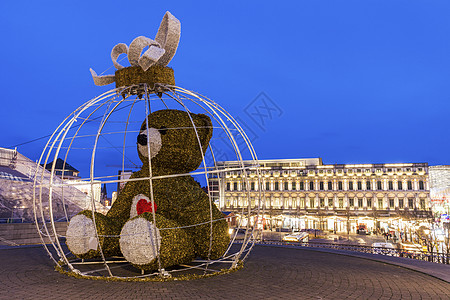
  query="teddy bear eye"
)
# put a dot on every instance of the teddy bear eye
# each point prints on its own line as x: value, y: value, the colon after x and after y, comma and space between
x: 163, y: 130
x: 142, y: 139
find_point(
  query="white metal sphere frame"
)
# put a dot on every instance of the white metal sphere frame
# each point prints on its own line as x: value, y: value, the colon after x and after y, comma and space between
x: 103, y: 131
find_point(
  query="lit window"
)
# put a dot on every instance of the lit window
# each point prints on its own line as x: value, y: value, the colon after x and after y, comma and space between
x: 380, y: 203
x: 311, y: 203
x: 322, y: 202
x: 341, y: 203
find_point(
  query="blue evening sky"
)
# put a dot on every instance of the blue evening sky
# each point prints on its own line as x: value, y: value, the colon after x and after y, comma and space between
x: 364, y: 81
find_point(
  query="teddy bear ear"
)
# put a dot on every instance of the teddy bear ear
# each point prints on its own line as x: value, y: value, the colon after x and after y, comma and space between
x: 204, y: 128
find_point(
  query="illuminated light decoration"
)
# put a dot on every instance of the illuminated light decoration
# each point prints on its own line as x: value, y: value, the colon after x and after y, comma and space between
x: 160, y: 51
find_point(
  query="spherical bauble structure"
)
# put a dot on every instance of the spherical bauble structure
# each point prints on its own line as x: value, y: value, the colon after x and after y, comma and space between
x: 167, y: 143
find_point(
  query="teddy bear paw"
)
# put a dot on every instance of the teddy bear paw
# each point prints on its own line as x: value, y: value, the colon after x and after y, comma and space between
x: 81, y: 235
x: 140, y: 241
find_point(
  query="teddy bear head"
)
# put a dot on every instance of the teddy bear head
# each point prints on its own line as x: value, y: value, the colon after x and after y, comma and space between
x: 174, y: 141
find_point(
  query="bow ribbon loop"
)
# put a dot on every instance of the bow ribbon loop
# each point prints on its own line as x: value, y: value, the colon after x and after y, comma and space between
x: 160, y: 51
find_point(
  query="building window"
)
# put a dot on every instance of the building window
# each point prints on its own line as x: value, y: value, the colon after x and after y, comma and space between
x: 400, y: 203
x: 267, y: 186
x: 391, y: 203
x: 379, y: 185
x: 330, y: 202
x: 321, y: 185
x: 228, y: 186
x: 368, y: 185
x: 369, y: 202
x: 400, y: 185
x: 302, y: 187
x: 422, y: 204
x: 235, y: 186
x: 311, y: 185
x: 359, y: 185
x: 330, y: 185
x: 311, y: 203
x: 421, y: 185
x: 276, y: 186
x: 252, y: 186
x: 410, y: 185
x: 380, y: 203
x: 351, y: 202
x: 410, y: 203
x: 390, y: 185
x: 350, y: 185
x: 302, y: 202
x: 341, y: 203
x: 360, y: 202
x: 340, y: 185
x: 286, y: 186
x: 322, y: 202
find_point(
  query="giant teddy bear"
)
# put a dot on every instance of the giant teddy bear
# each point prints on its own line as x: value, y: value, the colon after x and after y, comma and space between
x: 181, y: 208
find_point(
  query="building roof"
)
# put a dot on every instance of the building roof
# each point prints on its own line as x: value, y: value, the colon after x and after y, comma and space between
x: 10, y: 174
x: 60, y: 166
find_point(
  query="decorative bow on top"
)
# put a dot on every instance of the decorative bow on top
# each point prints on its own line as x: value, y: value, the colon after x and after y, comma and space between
x: 160, y: 51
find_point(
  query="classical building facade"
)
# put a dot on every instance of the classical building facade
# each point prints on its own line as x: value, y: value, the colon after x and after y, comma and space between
x: 305, y: 193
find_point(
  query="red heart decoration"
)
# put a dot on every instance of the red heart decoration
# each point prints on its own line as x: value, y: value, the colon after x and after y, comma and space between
x: 143, y: 206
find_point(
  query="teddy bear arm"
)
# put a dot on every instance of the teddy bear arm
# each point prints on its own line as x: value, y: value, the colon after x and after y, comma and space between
x: 120, y: 210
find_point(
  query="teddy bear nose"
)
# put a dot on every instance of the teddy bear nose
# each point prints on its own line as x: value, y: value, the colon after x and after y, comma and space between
x: 142, y: 139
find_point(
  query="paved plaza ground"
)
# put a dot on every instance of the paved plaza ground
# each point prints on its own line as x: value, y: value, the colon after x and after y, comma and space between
x: 269, y: 273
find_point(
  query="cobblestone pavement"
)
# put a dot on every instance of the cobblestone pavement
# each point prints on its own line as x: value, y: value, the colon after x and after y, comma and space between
x: 270, y: 273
